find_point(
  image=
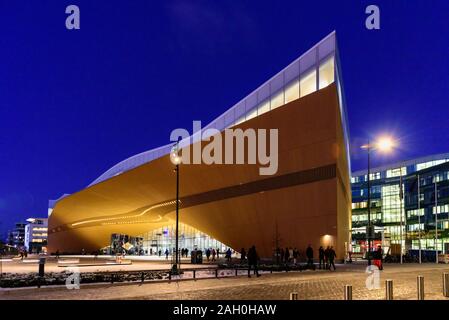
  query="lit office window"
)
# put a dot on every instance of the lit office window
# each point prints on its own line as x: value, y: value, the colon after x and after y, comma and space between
x: 277, y: 100
x: 425, y: 165
x: 396, y: 172
x: 327, y: 72
x: 308, y: 83
x: 251, y: 114
x: 263, y: 107
x: 292, y: 91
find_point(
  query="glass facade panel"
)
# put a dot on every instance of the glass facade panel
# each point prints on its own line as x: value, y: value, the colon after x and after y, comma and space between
x: 308, y: 83
x: 292, y: 91
x: 277, y: 100
x: 263, y: 107
x: 326, y: 72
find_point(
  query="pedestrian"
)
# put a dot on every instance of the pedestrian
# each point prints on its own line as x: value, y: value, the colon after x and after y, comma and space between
x: 242, y: 255
x: 321, y: 256
x: 287, y: 255
x: 228, y: 254
x: 326, y: 257
x: 160, y: 252
x: 332, y: 256
x: 309, y: 255
x: 213, y: 254
x: 166, y: 254
x: 57, y: 254
x: 218, y: 253
x: 207, y: 254
x: 295, y: 255
x: 252, y: 261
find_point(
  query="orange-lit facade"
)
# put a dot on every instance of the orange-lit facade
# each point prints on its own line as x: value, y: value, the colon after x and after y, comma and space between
x: 308, y: 199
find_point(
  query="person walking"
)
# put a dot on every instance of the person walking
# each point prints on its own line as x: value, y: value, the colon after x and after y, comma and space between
x: 208, y: 254
x: 309, y: 255
x: 321, y: 256
x: 295, y: 255
x: 326, y: 257
x: 242, y: 255
x: 228, y: 255
x: 166, y: 254
x: 252, y: 261
x: 287, y: 255
x: 332, y: 256
x: 213, y: 254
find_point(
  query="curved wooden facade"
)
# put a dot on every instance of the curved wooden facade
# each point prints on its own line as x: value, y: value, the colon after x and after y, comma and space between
x: 308, y: 199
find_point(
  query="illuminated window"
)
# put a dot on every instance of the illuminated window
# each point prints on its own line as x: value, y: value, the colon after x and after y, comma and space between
x: 251, y: 114
x: 326, y: 72
x: 308, y: 83
x: 292, y: 91
x: 263, y: 107
x: 396, y: 172
x: 277, y: 100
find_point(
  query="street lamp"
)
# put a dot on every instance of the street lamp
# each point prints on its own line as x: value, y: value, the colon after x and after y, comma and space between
x: 176, y: 160
x: 383, y: 144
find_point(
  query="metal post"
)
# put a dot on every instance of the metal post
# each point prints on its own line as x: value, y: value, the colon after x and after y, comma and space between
x: 177, y: 213
x: 436, y: 221
x: 419, y: 219
x: 420, y: 287
x: 369, y: 205
x: 194, y: 274
x: 389, y: 290
x: 446, y: 284
x: 294, y: 296
x: 401, y: 197
x: 348, y: 292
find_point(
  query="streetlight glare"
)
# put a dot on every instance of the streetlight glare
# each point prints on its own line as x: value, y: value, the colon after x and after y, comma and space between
x: 385, y: 144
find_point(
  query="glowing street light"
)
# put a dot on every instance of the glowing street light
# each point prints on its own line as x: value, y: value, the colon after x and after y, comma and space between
x: 176, y: 160
x: 384, y: 144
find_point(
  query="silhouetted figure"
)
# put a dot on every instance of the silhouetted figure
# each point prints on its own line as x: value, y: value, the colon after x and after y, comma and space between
x: 295, y: 255
x: 218, y: 253
x: 326, y: 256
x: 309, y: 255
x: 166, y: 254
x: 228, y: 255
x: 57, y: 254
x: 287, y: 255
x: 160, y: 252
x: 252, y: 261
x: 213, y: 254
x: 207, y: 254
x: 242, y: 255
x: 321, y: 256
x: 332, y: 256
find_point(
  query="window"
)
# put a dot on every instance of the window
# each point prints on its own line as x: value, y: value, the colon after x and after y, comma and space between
x: 415, y: 212
x: 277, y: 100
x: 263, y: 107
x: 440, y: 209
x: 425, y: 165
x: 292, y: 91
x: 308, y: 83
x: 326, y: 72
x: 374, y: 176
x: 396, y: 172
x: 251, y: 114
x: 359, y: 205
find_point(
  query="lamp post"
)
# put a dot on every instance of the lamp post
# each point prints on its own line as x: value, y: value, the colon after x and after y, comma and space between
x: 176, y: 160
x: 383, y: 144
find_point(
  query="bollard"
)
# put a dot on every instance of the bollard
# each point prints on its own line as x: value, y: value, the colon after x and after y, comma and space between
x: 294, y: 296
x: 420, y: 287
x: 389, y: 290
x: 41, y: 267
x: 446, y: 285
x: 112, y: 278
x: 236, y: 272
x: 216, y: 273
x: 142, y: 277
x: 348, y: 292
x: 194, y: 274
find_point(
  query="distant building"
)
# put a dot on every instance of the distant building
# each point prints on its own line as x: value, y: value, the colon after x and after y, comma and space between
x: 36, y: 235
x: 425, y: 223
x: 17, y: 236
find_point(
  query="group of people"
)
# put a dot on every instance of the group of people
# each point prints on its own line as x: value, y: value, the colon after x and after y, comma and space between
x: 327, y: 257
x: 289, y: 255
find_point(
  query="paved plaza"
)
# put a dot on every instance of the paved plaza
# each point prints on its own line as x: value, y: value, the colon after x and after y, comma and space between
x: 310, y: 285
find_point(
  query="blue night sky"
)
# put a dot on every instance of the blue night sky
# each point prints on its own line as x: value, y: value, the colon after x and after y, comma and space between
x: 75, y: 102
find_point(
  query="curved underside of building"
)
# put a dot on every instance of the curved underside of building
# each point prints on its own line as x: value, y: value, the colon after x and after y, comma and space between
x: 306, y: 202
x: 307, y: 199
